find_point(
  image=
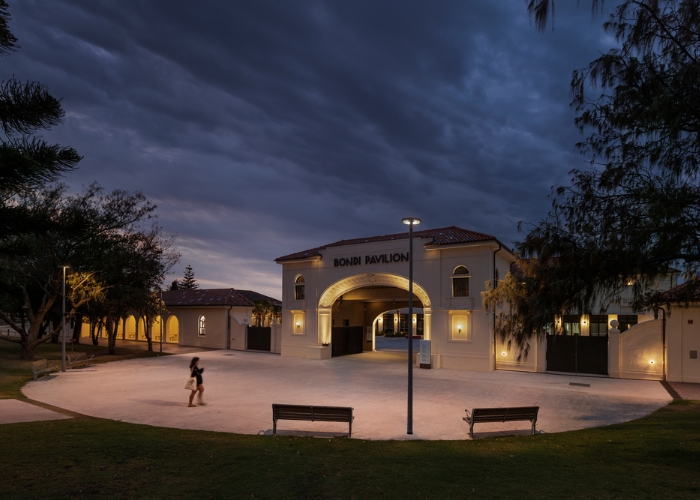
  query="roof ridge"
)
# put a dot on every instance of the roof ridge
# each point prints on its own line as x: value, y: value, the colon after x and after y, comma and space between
x: 437, y: 234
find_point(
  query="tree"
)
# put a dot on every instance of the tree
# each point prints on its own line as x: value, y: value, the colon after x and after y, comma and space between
x: 263, y: 309
x: 88, y: 231
x: 636, y: 210
x: 175, y: 285
x: 26, y: 161
x: 188, y: 282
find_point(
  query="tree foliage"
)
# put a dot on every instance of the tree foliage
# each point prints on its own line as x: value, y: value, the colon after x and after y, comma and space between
x: 636, y: 210
x: 116, y: 262
x: 26, y: 161
x: 188, y: 282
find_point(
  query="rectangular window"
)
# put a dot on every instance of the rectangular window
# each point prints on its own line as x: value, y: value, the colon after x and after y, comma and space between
x: 571, y: 324
x: 626, y: 321
x: 460, y: 287
x: 299, y: 292
x: 403, y: 323
x: 599, y: 325
x: 388, y: 321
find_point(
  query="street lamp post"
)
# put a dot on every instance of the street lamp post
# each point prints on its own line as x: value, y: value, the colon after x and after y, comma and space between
x: 160, y: 322
x: 63, y: 324
x: 410, y: 221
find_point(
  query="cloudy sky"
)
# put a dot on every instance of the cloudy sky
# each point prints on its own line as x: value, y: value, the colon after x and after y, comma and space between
x: 266, y: 127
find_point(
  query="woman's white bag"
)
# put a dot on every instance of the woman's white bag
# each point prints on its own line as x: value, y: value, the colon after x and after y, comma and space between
x: 191, y: 384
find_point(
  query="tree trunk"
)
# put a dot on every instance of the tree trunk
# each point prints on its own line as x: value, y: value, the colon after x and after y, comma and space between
x: 27, y: 353
x: 98, y: 333
x: 149, y: 334
x: 77, y: 327
x: 112, y: 327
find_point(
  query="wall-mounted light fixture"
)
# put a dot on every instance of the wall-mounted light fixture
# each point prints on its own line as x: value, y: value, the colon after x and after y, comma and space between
x: 298, y: 324
x: 414, y: 320
x: 651, y: 362
x: 459, y: 328
x: 503, y: 353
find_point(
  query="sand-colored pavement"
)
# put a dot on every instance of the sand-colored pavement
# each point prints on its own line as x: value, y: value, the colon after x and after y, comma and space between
x: 241, y: 386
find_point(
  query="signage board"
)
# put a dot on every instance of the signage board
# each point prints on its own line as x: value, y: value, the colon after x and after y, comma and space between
x: 425, y: 354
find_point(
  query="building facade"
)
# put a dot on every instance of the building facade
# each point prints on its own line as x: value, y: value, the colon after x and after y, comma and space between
x: 332, y: 292
x: 211, y: 318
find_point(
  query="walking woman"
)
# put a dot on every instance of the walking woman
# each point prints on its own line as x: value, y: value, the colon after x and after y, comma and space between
x: 196, y: 372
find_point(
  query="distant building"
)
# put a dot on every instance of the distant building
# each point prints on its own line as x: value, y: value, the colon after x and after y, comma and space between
x: 213, y: 318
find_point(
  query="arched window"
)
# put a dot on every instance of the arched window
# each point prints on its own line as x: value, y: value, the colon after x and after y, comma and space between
x: 299, y: 291
x: 460, y: 282
x: 201, y: 326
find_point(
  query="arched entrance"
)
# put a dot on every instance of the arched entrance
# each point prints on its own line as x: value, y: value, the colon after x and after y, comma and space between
x: 130, y: 331
x: 172, y: 330
x: 141, y: 328
x: 347, y: 310
x: 155, y: 329
x: 391, y: 327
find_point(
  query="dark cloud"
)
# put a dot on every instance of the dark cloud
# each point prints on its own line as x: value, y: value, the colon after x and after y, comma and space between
x: 264, y: 127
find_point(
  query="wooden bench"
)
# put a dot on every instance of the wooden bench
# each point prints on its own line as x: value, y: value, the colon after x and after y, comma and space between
x: 311, y: 413
x: 479, y: 415
x: 79, y: 358
x: 41, y: 367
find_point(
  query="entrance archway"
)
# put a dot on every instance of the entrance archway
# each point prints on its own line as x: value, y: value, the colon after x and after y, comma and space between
x: 354, y: 302
x: 172, y: 330
x: 130, y: 331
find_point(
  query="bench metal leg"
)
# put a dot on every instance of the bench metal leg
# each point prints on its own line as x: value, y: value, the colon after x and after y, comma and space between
x: 350, y: 431
x: 274, y: 426
x: 471, y: 429
x: 533, y: 427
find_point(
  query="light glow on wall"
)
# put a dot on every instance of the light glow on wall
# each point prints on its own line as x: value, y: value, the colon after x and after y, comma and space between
x: 460, y: 326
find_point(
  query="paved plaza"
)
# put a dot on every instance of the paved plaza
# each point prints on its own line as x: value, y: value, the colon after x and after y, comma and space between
x: 241, y: 387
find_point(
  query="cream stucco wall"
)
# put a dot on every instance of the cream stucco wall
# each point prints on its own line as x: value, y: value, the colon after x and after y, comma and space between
x: 682, y: 339
x: 219, y: 332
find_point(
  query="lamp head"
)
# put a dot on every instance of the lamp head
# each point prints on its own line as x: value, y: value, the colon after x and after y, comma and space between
x: 411, y: 221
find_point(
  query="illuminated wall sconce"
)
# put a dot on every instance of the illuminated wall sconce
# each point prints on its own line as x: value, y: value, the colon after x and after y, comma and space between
x: 298, y: 324
x: 503, y: 353
x: 459, y: 328
x: 651, y: 362
x: 414, y: 320
x: 583, y: 321
x: 396, y: 319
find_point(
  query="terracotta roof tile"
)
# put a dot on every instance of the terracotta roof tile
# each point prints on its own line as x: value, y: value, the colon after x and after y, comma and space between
x: 441, y: 236
x: 688, y: 291
x: 212, y: 297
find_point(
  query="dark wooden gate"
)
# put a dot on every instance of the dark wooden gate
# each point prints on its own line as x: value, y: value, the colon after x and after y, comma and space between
x: 577, y: 354
x: 259, y: 338
x: 346, y: 340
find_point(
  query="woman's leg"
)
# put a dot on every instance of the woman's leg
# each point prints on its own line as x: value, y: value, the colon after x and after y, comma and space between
x: 201, y: 394
x: 191, y: 398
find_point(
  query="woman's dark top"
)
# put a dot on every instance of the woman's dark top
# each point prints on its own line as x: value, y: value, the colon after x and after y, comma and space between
x: 197, y: 372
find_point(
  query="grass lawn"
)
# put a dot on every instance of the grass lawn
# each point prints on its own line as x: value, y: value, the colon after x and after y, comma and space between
x: 14, y: 372
x: 654, y: 457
